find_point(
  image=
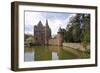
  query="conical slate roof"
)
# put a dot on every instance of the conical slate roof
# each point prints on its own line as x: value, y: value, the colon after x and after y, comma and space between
x: 47, y: 23
x: 40, y: 24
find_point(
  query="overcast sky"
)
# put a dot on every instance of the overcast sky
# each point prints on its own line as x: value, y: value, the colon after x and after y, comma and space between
x: 55, y: 20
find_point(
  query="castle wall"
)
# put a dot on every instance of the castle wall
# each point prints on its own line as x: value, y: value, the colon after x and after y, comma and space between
x: 57, y: 41
x: 42, y: 34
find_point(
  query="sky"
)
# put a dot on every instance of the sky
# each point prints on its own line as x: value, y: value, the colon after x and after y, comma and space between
x: 55, y: 20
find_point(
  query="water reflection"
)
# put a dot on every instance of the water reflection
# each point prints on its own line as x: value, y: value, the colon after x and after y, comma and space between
x: 29, y: 56
x: 54, y: 56
x: 41, y: 53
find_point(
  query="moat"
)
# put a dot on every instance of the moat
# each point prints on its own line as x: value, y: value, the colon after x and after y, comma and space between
x: 44, y: 53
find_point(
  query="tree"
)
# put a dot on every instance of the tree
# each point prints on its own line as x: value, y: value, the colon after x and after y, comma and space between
x: 28, y: 39
x: 63, y: 33
x: 73, y: 28
x: 85, y: 36
x: 78, y: 29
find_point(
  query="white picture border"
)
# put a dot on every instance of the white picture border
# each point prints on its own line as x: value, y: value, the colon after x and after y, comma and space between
x: 34, y: 64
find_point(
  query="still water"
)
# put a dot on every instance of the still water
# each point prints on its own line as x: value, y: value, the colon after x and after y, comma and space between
x: 42, y: 53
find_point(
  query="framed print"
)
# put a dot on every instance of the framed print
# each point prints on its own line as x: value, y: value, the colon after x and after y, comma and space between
x: 52, y: 36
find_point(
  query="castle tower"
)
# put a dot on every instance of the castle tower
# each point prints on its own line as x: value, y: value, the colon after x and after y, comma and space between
x: 42, y: 34
x: 59, y: 37
x: 47, y: 24
x: 40, y: 24
x: 38, y: 34
x: 47, y: 33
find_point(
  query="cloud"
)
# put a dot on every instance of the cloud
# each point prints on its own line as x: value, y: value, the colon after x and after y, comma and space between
x: 57, y: 23
x: 31, y: 17
x: 55, y: 20
x: 28, y: 29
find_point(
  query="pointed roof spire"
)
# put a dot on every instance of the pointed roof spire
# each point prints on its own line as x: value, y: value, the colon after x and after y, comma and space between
x: 59, y: 30
x: 40, y: 23
x: 47, y: 23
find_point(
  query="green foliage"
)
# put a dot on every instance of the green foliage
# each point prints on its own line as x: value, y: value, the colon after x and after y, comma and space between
x: 77, y: 30
x: 29, y: 41
x: 72, y: 33
x: 85, y: 38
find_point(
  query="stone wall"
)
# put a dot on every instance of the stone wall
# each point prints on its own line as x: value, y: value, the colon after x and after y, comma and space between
x: 76, y: 46
x: 56, y: 41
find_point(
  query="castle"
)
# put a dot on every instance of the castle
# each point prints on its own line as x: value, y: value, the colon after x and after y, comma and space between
x: 42, y: 35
